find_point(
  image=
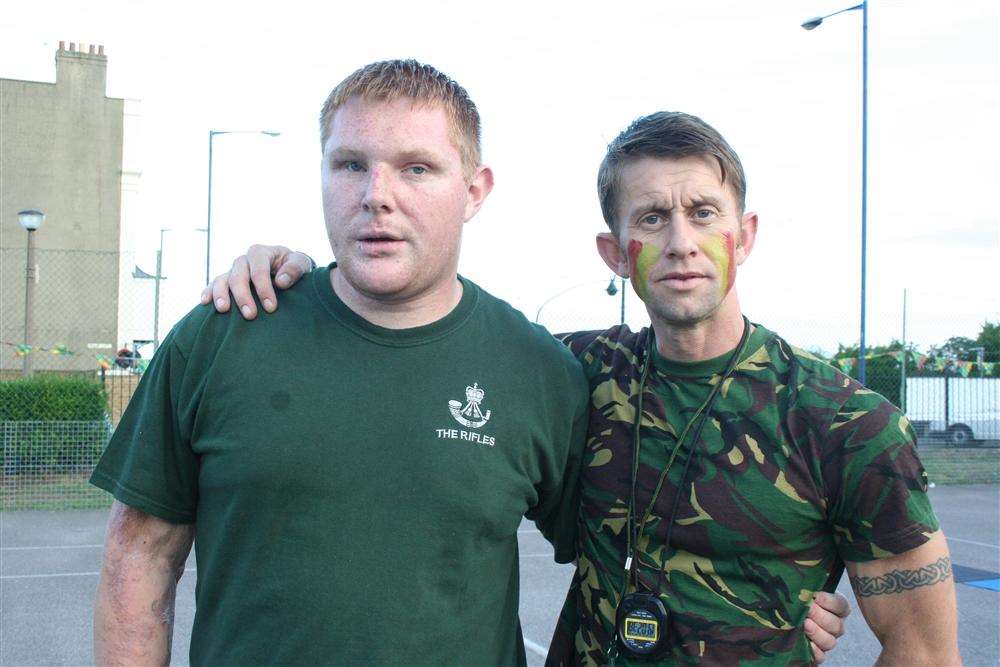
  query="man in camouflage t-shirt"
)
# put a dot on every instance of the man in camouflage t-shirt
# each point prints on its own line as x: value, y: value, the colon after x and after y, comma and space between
x: 795, y: 472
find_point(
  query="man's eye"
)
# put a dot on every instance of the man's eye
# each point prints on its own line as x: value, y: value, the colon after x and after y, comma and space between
x: 704, y: 214
x: 418, y: 169
x: 651, y: 219
x: 352, y: 165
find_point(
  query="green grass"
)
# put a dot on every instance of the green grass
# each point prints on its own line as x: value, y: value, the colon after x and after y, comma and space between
x: 962, y: 466
x: 53, y: 492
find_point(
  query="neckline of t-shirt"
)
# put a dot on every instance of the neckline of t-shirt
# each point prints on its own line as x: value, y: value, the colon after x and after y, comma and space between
x: 393, y: 337
x: 706, y: 368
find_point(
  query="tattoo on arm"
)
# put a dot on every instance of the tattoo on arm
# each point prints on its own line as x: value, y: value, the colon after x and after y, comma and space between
x: 897, y: 581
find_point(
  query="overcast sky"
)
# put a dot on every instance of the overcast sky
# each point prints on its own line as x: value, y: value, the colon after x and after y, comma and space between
x: 555, y: 82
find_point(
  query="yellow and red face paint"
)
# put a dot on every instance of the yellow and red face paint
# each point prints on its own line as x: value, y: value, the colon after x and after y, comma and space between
x: 642, y: 258
x: 721, y: 251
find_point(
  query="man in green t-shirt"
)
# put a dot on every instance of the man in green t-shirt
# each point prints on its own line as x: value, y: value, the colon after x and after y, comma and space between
x: 728, y: 476
x: 353, y: 471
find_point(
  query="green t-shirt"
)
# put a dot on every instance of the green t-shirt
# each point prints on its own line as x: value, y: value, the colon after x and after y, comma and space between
x: 798, y: 469
x: 356, y: 491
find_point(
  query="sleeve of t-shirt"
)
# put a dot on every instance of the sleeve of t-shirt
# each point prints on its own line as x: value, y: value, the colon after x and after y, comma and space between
x: 557, y: 513
x: 876, y: 483
x: 148, y: 463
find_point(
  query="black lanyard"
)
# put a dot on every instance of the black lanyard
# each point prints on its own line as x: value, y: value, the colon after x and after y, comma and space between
x: 701, y: 415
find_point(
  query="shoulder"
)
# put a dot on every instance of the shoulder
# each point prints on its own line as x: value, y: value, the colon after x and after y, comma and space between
x: 615, y: 352
x: 514, y: 327
x: 512, y: 334
x: 203, y: 327
x: 830, y: 399
x: 588, y: 346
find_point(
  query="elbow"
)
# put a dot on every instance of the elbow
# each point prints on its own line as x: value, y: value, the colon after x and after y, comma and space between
x: 919, y: 654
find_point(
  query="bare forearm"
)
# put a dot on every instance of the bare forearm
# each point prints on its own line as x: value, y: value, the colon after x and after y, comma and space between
x: 134, y: 615
x: 134, y: 611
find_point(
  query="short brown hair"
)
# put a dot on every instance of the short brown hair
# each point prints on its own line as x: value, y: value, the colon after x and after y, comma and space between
x: 390, y: 80
x: 666, y: 134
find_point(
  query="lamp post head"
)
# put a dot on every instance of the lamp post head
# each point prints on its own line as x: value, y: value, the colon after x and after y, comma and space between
x: 813, y: 23
x: 30, y: 219
x: 612, y: 289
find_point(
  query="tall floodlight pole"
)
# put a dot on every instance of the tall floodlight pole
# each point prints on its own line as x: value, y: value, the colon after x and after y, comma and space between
x: 902, y: 365
x: 809, y: 25
x: 208, y: 226
x: 31, y: 220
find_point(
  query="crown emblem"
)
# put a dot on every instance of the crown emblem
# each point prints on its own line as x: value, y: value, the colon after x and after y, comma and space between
x: 470, y: 414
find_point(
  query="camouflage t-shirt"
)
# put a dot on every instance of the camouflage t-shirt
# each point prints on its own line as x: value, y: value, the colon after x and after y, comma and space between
x: 797, y: 469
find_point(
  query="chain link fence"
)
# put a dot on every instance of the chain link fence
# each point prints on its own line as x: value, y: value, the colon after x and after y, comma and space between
x: 46, y: 464
x: 99, y: 316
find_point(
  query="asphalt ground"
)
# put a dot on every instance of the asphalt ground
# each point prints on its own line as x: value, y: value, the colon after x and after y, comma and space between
x: 49, y: 563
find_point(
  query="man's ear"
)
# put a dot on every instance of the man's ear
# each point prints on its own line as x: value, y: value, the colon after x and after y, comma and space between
x: 747, y: 236
x: 611, y: 252
x: 479, y: 188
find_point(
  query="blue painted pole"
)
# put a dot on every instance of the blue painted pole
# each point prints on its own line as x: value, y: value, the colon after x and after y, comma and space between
x: 864, y: 184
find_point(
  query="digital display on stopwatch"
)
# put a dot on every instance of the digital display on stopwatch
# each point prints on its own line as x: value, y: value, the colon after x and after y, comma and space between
x: 642, y: 629
x: 642, y: 625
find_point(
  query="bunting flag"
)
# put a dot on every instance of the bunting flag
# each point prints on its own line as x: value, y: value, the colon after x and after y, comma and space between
x: 923, y: 362
x: 846, y: 364
x: 21, y: 349
x: 137, y: 365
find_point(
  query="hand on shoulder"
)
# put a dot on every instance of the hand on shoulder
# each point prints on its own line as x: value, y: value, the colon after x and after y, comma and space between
x: 263, y: 266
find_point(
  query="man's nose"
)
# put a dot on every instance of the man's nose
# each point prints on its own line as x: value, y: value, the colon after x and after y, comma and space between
x: 681, y: 241
x: 378, y: 194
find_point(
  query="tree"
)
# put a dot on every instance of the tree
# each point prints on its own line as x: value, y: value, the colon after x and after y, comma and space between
x: 989, y: 338
x: 956, y: 347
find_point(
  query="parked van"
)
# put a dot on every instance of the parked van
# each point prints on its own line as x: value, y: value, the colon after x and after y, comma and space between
x: 962, y: 410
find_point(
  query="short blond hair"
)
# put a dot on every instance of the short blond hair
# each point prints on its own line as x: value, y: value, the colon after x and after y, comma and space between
x: 390, y: 80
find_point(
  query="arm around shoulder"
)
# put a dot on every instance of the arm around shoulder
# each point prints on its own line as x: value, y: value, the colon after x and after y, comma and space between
x: 909, y: 602
x: 134, y: 611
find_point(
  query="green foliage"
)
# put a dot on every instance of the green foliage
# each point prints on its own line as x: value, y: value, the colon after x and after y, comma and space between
x: 956, y: 347
x: 53, y: 398
x: 989, y: 338
x: 52, y: 424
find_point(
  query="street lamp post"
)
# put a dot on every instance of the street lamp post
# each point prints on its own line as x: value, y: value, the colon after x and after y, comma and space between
x: 31, y: 220
x: 611, y: 290
x: 156, y: 293
x: 810, y: 25
x: 139, y: 274
x: 622, y: 322
x: 208, y: 227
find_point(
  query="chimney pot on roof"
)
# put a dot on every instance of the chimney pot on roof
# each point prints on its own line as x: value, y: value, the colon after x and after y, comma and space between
x: 100, y: 49
x: 91, y: 50
x: 72, y: 46
x: 62, y: 45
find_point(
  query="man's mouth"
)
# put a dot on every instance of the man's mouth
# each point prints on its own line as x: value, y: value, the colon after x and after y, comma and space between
x: 377, y: 242
x: 682, y: 280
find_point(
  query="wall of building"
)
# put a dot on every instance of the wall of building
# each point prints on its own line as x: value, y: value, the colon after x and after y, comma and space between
x: 62, y: 154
